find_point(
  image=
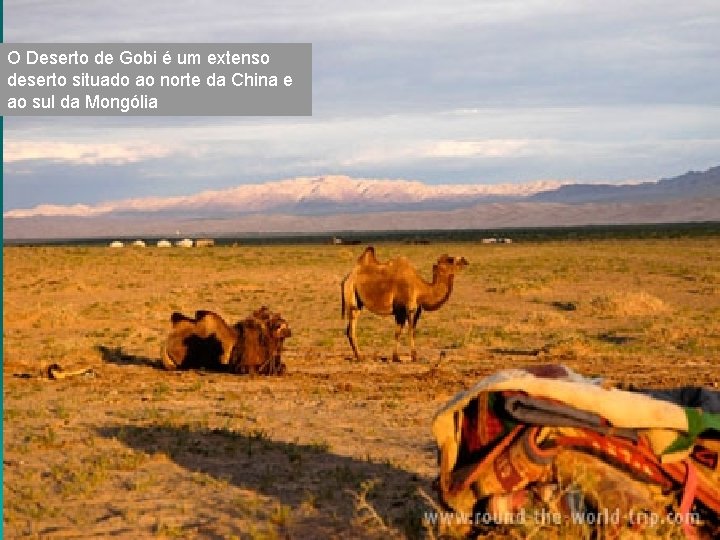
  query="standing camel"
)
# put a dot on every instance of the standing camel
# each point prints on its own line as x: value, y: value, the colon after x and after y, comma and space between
x: 395, y: 288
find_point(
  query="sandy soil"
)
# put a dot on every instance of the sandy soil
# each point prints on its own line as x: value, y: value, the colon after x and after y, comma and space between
x: 334, y: 449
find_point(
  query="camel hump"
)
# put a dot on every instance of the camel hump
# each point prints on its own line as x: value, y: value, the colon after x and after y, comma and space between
x: 202, y: 313
x: 252, y: 324
x: 368, y: 256
x: 401, y: 266
x: 177, y: 317
x: 262, y: 313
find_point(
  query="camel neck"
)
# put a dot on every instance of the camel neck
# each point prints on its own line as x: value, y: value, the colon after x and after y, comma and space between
x: 435, y: 294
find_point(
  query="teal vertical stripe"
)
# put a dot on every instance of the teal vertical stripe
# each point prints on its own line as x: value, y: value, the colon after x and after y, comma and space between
x: 2, y: 239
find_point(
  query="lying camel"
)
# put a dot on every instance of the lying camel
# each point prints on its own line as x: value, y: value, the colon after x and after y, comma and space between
x: 205, y: 341
x: 253, y: 345
x: 395, y: 288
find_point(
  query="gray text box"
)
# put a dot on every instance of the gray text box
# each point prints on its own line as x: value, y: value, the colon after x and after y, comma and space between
x: 113, y: 79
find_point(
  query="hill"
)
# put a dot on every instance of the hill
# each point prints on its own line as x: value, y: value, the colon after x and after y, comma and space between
x: 340, y: 203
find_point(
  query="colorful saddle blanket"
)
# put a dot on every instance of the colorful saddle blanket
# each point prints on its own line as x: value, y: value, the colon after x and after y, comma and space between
x: 546, y: 441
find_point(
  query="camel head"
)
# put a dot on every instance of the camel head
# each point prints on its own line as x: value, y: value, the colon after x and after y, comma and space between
x: 279, y: 328
x: 450, y: 265
x: 274, y: 324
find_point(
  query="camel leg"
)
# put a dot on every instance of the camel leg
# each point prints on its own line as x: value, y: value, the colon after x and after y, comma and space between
x: 398, y: 331
x: 167, y: 361
x: 401, y: 317
x: 226, y: 355
x: 413, y: 317
x: 353, y: 315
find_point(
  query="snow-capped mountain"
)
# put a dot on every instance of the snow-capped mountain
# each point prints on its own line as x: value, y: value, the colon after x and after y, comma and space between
x: 340, y: 203
x: 305, y: 195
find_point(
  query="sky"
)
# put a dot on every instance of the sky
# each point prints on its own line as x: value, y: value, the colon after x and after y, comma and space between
x: 465, y: 92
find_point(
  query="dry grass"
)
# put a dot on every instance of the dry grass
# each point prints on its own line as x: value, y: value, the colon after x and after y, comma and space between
x: 335, y: 448
x: 628, y: 304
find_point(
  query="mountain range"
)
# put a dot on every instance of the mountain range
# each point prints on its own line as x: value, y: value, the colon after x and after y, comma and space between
x: 341, y: 203
x: 302, y: 196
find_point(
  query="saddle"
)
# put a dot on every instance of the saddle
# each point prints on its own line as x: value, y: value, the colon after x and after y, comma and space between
x: 549, y: 442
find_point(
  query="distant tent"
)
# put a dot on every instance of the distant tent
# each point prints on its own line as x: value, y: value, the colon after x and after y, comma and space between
x: 164, y: 243
x: 116, y: 244
x: 138, y: 243
x: 185, y: 242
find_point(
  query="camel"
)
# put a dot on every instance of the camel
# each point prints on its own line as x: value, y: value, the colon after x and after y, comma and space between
x: 206, y: 338
x: 253, y: 345
x: 395, y: 288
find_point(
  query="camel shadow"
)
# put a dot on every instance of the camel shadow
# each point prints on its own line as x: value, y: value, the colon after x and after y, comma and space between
x: 115, y: 355
x: 616, y: 339
x: 294, y: 474
x: 516, y: 352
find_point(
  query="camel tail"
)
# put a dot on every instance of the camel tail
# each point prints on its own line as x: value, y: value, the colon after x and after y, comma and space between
x: 342, y: 298
x: 348, y: 292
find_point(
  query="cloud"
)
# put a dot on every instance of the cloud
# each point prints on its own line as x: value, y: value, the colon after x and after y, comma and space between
x: 479, y: 145
x: 389, y: 152
x: 81, y: 153
x: 422, y: 55
x: 489, y: 148
x: 466, y: 92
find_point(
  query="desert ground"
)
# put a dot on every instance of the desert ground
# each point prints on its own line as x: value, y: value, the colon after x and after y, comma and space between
x: 335, y: 448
